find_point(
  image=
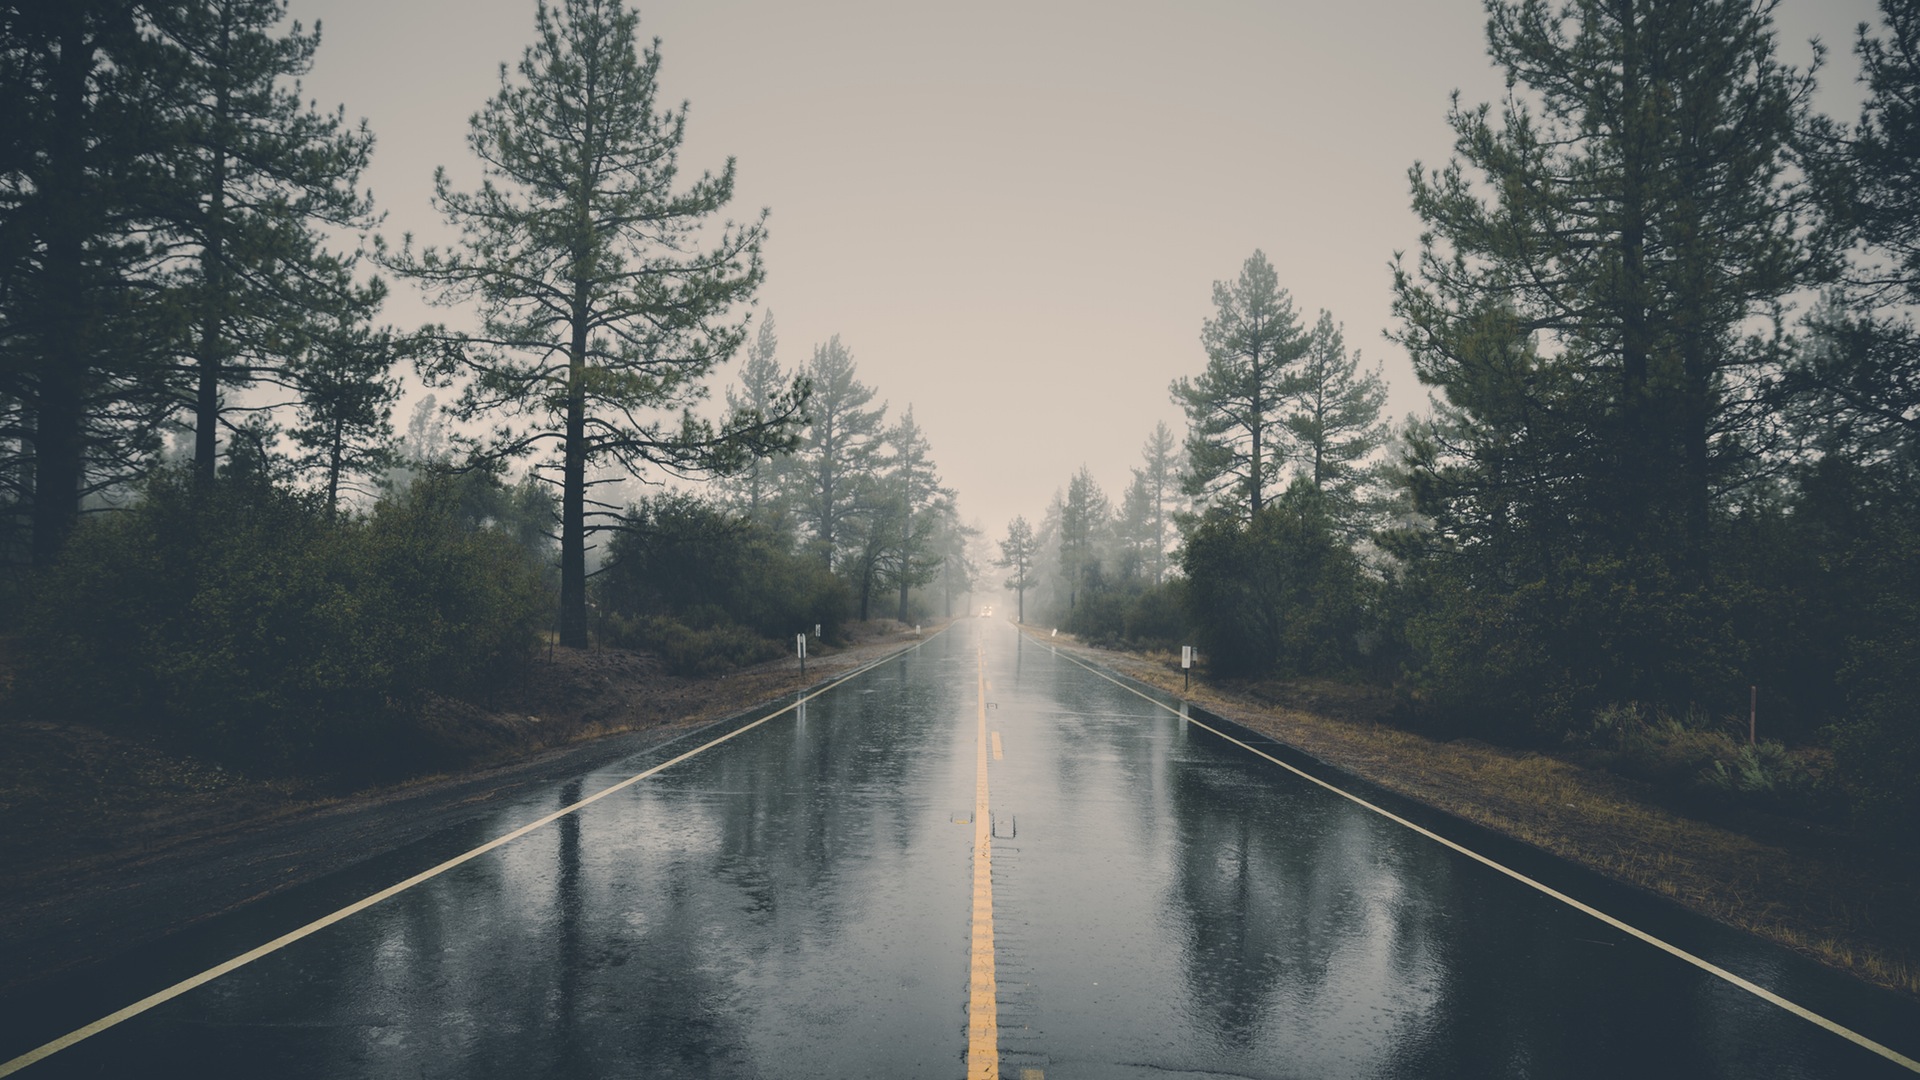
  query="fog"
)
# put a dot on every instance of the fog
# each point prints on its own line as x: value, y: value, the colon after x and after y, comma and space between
x: 1012, y: 213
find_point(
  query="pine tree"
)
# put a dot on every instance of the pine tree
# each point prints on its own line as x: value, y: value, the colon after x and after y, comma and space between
x: 762, y: 387
x: 1610, y: 254
x: 1134, y: 530
x: 1335, y: 424
x: 1159, y: 473
x: 84, y: 347
x: 950, y: 547
x: 1233, y: 409
x: 837, y: 458
x: 262, y: 175
x: 602, y: 312
x: 922, y: 500
x: 347, y: 391
x: 1018, y: 553
x: 1858, y: 381
x: 1598, y: 295
x: 1085, y: 517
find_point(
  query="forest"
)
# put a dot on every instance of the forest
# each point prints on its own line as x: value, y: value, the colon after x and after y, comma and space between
x: 213, y: 531
x: 1664, y: 513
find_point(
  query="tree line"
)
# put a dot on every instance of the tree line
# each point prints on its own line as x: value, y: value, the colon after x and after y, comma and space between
x: 1670, y: 467
x: 851, y: 521
x: 190, y: 333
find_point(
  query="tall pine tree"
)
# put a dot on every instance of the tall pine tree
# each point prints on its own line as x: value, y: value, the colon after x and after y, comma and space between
x: 605, y: 293
x: 1234, y: 448
x: 755, y: 488
x: 84, y: 345
x: 836, y: 463
x: 1597, y: 295
x: 261, y: 174
x: 1334, y: 421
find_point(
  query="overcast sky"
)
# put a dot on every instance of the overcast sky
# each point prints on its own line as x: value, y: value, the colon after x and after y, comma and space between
x: 1011, y: 212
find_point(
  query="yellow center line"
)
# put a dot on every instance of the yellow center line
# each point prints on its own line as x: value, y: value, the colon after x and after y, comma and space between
x: 983, y: 1010
x: 1673, y: 950
x: 161, y: 997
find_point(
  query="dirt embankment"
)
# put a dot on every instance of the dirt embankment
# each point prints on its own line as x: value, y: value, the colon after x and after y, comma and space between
x: 108, y: 840
x: 1826, y: 895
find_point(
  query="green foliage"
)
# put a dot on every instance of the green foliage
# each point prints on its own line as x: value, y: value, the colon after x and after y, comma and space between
x: 1283, y: 595
x: 606, y: 288
x: 1017, y: 554
x: 1335, y: 425
x: 1137, y: 616
x: 85, y: 332
x: 1692, y: 756
x: 240, y: 621
x: 1524, y: 659
x: 832, y: 473
x: 1234, y: 449
x: 1085, y: 517
x: 1876, y: 559
x: 701, y: 586
x: 261, y: 175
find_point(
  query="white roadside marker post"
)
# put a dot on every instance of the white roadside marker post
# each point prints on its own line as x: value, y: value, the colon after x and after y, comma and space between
x: 1186, y: 667
x: 800, y: 646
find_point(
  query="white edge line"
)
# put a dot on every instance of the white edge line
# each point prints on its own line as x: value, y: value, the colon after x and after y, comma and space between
x: 1705, y: 965
x: 48, y: 1049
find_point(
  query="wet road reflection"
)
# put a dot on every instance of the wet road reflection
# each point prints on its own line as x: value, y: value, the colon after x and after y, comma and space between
x: 795, y: 902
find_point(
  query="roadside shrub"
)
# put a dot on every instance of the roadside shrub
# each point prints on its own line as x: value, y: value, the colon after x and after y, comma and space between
x: 242, y: 623
x: 1156, y: 618
x: 1134, y: 615
x: 1099, y: 617
x: 1280, y: 596
x: 1695, y: 757
x: 682, y: 575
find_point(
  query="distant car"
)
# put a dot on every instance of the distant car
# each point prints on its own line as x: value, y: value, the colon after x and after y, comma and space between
x: 986, y: 612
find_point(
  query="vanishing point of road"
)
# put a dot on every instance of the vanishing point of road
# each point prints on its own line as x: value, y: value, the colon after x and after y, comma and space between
x: 979, y: 857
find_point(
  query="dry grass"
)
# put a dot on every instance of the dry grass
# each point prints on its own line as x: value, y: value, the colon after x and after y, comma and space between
x: 1846, y: 905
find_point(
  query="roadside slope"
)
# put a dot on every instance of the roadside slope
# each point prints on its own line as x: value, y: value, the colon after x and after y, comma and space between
x: 110, y: 843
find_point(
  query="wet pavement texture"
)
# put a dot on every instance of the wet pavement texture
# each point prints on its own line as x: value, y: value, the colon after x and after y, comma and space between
x: 797, y: 901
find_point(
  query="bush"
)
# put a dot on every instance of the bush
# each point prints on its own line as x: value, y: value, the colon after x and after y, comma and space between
x: 242, y: 623
x: 1692, y: 756
x: 1130, y: 616
x: 1282, y: 596
x: 683, y: 575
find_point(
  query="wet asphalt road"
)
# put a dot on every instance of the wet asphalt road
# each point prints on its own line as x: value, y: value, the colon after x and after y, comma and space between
x: 799, y: 901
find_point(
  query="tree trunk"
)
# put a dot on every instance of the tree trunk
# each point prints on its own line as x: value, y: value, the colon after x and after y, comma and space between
x: 573, y: 488
x: 335, y: 452
x: 206, y: 406
x: 906, y: 546
x: 64, y: 354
